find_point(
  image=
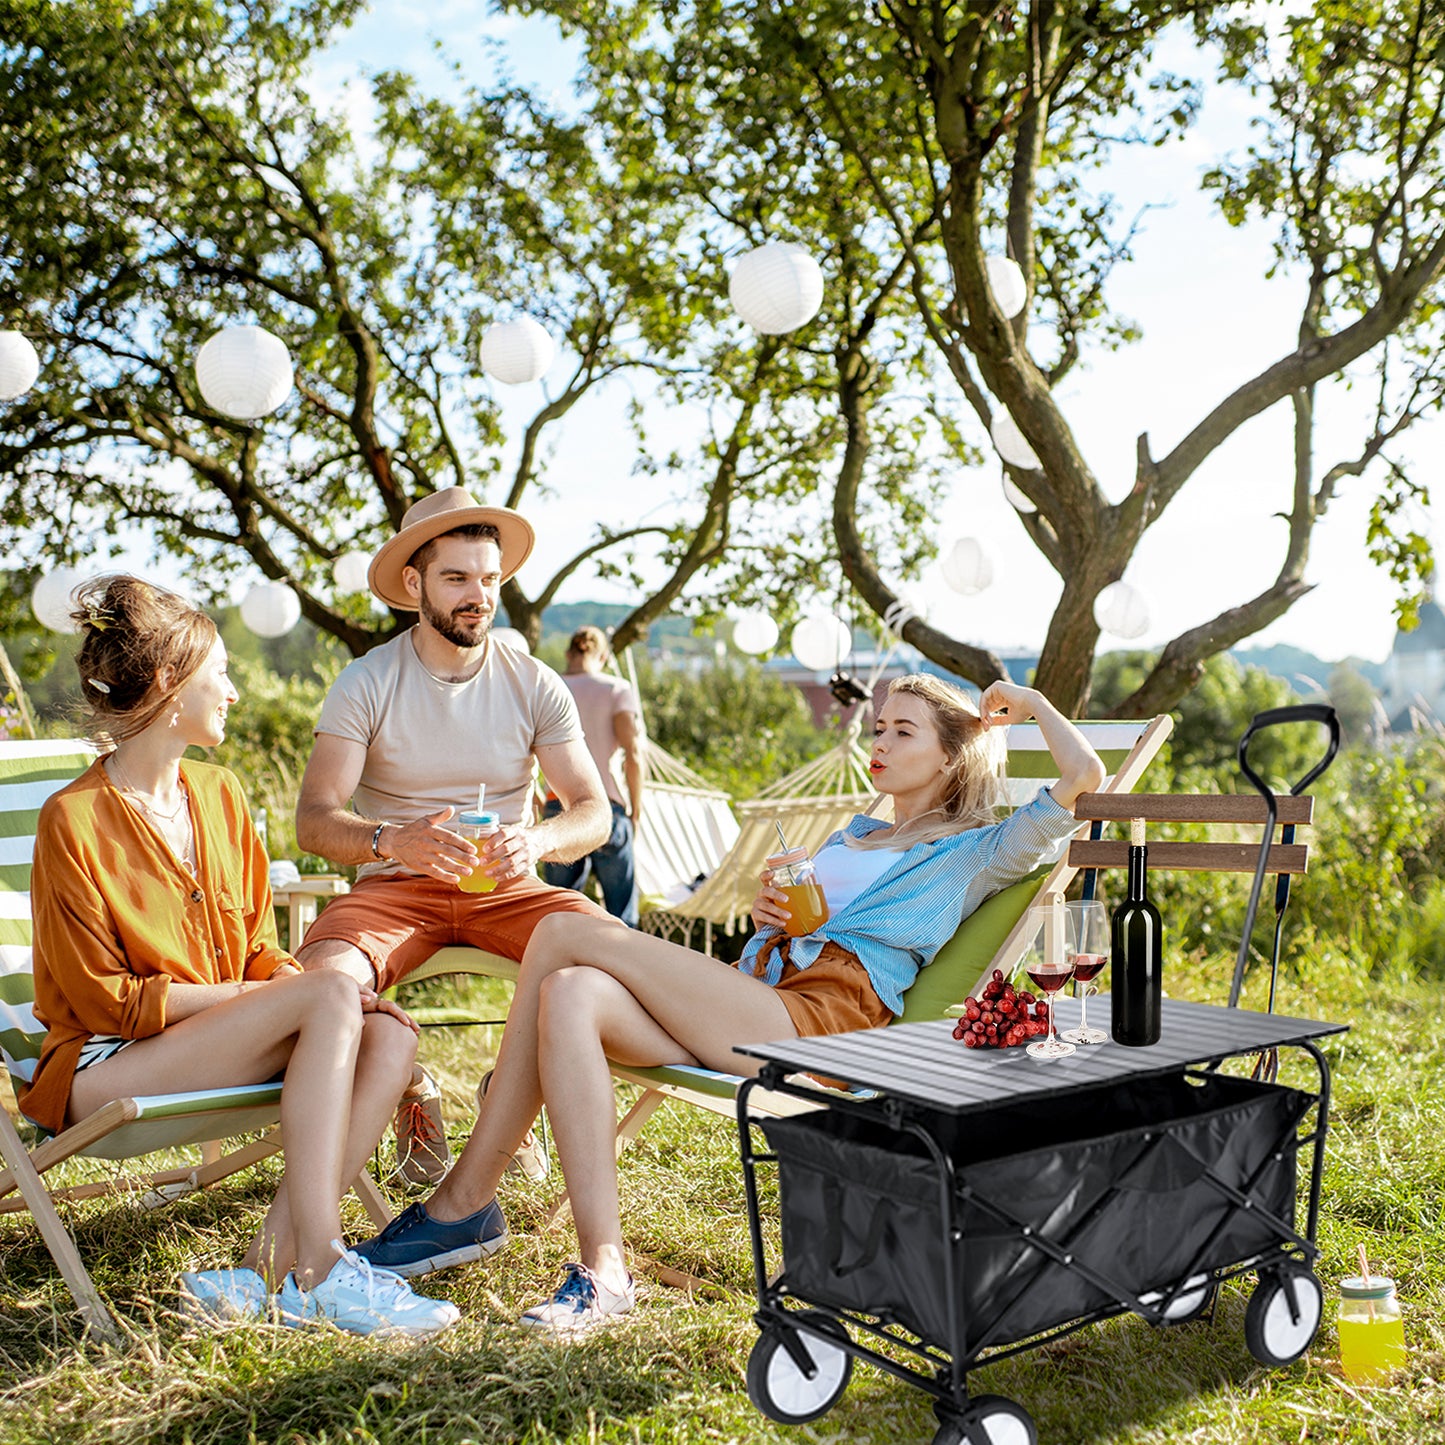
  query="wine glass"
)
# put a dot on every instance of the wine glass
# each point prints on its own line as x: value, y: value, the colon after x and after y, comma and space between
x: 1089, y: 945
x: 1049, y: 967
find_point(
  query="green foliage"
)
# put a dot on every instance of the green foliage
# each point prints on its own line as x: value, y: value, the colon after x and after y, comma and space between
x: 1210, y: 719
x: 734, y: 723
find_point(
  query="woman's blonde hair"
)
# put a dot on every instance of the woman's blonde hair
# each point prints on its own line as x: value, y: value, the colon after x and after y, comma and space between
x: 131, y: 632
x: 974, y: 788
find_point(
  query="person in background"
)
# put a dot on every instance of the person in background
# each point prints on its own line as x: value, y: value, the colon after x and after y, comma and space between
x: 611, y: 723
x: 156, y: 965
x: 590, y: 991
x: 406, y: 734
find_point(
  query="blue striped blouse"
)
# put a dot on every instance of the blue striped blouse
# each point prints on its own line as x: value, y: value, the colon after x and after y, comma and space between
x: 924, y: 896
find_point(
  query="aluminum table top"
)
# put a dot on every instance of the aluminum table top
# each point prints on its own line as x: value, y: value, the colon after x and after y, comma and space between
x: 924, y: 1064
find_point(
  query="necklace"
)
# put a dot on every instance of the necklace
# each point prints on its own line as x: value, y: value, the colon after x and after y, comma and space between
x: 123, y: 778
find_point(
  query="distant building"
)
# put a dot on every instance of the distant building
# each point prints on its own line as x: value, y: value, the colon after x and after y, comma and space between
x: 1414, y: 681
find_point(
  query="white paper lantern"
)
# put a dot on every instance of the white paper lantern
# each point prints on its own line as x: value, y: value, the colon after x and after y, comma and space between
x: 244, y: 372
x: 517, y: 351
x: 510, y: 637
x: 776, y: 288
x: 51, y: 602
x: 19, y: 365
x: 1006, y: 281
x: 270, y: 609
x: 349, y: 572
x: 821, y: 641
x: 1009, y: 442
x: 1121, y: 609
x: 1017, y: 497
x: 966, y: 566
x: 754, y: 633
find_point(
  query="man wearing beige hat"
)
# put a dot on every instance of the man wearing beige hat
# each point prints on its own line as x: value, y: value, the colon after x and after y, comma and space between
x: 406, y: 736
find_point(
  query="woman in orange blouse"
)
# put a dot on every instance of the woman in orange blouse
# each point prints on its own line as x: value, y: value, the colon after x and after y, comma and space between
x: 156, y: 965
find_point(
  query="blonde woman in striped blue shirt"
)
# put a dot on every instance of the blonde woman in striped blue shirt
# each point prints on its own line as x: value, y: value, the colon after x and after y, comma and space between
x: 591, y: 990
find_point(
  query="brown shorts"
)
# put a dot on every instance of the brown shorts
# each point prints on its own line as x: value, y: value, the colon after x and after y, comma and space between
x: 833, y: 995
x: 399, y: 922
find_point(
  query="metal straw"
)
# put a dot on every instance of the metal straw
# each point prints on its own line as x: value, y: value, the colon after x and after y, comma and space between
x: 782, y: 841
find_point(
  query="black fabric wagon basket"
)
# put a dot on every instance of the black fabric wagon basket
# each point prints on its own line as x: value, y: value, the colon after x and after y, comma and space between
x: 1137, y: 1182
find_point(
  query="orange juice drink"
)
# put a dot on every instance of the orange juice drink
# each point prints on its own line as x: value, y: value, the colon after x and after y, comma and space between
x: 807, y: 905
x: 477, y: 827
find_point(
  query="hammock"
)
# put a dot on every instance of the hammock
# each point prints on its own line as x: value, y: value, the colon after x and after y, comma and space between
x: 809, y: 805
x: 687, y: 829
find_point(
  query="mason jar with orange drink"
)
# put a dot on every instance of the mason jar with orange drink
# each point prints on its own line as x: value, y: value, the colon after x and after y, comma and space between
x: 792, y: 872
x: 477, y: 827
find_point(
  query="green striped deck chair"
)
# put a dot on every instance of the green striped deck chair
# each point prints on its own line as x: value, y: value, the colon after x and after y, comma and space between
x: 994, y: 936
x: 125, y: 1128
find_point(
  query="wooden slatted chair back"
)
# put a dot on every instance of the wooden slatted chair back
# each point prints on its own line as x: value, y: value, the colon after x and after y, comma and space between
x: 1239, y: 809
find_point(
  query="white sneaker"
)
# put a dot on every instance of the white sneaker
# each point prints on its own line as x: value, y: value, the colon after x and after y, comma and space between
x: 582, y: 1303
x: 223, y: 1294
x: 531, y: 1158
x: 361, y: 1299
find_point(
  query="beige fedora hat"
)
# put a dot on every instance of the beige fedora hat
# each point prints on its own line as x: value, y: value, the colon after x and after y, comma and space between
x: 439, y: 513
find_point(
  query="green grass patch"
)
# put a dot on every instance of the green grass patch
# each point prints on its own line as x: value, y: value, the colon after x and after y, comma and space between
x: 674, y: 1372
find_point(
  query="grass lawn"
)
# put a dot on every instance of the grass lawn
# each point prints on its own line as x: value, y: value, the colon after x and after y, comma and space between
x: 674, y: 1372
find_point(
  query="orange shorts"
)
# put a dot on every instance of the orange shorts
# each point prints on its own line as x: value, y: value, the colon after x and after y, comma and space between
x: 399, y: 922
x: 833, y: 995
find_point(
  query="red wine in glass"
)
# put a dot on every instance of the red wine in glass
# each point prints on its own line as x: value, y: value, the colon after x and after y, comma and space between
x: 1051, y: 980
x: 1089, y: 965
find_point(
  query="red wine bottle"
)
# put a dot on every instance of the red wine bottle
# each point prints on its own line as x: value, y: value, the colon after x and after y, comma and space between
x: 1137, y: 939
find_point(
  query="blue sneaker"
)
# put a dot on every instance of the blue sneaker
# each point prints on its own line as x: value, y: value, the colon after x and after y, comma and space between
x: 415, y: 1243
x: 224, y: 1294
x: 363, y: 1300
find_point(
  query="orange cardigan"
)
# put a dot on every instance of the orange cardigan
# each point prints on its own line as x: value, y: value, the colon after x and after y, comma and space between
x: 117, y: 917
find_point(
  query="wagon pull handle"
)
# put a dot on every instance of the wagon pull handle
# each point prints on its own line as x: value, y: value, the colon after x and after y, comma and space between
x: 1272, y: 717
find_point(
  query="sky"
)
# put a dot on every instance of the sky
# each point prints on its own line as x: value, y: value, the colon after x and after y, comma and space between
x: 1210, y: 319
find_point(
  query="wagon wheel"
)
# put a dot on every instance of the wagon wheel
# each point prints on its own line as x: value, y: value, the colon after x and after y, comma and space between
x: 780, y: 1388
x: 1283, y: 1314
x: 989, y: 1420
x: 1197, y: 1298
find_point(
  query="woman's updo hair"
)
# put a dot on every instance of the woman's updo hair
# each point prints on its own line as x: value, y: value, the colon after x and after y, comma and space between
x: 589, y: 642
x: 132, y: 632
x: 975, y: 786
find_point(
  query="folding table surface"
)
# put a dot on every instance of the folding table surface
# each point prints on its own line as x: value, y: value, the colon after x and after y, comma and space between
x: 924, y: 1064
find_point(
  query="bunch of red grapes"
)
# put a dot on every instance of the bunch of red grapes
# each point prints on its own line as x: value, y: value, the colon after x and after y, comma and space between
x: 1000, y: 1017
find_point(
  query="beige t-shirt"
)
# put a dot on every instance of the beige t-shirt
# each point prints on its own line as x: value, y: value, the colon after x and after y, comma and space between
x: 429, y: 742
x: 599, y: 699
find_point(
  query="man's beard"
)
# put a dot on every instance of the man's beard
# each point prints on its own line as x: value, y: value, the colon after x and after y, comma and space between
x: 457, y: 632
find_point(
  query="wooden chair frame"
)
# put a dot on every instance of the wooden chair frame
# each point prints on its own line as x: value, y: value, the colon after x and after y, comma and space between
x: 124, y: 1129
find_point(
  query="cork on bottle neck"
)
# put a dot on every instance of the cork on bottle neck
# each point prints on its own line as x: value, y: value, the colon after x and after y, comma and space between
x: 1136, y: 832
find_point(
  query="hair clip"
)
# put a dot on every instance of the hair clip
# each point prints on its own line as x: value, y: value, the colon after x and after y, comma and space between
x: 94, y: 617
x: 98, y: 685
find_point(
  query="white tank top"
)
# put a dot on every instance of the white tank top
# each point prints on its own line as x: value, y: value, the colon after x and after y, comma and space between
x: 846, y: 872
